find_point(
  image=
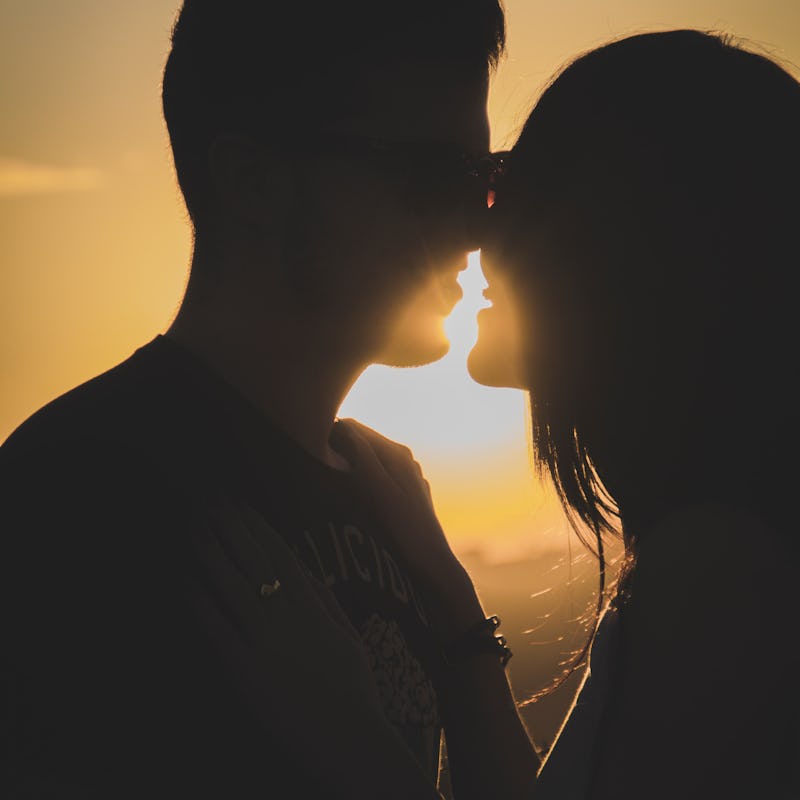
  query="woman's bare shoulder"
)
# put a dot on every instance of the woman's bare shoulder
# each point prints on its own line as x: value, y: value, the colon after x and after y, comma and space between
x: 717, y: 555
x: 714, y: 580
x: 705, y: 659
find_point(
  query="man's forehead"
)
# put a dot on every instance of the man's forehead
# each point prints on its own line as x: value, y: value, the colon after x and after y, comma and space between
x: 427, y: 102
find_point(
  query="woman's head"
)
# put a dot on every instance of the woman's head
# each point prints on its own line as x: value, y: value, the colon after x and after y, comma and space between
x: 646, y: 230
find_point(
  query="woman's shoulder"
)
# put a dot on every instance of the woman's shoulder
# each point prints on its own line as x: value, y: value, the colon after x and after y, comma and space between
x: 717, y: 554
x: 705, y: 665
x: 712, y: 598
x: 714, y: 576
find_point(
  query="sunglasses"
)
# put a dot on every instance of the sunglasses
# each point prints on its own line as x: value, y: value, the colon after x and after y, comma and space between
x: 435, y: 175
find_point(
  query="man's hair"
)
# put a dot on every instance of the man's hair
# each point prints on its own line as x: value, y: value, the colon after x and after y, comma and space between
x: 280, y: 69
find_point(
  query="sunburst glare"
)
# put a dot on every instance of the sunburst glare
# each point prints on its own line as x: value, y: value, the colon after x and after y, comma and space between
x: 471, y: 440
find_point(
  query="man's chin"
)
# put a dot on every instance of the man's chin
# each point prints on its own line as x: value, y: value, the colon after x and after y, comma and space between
x: 414, y: 353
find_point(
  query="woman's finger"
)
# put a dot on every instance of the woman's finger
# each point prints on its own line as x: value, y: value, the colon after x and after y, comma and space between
x: 369, y: 465
x: 388, y: 451
x: 377, y: 457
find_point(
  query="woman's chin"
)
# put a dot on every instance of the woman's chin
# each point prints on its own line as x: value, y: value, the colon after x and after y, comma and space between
x: 494, y: 361
x: 491, y: 366
x: 492, y: 373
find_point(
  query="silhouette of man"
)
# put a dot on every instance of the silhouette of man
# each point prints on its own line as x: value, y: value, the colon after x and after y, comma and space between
x: 329, y: 156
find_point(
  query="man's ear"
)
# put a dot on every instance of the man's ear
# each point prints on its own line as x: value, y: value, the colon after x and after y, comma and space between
x: 247, y: 185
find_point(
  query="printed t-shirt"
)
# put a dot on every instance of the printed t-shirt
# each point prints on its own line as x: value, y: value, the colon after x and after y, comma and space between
x: 162, y: 419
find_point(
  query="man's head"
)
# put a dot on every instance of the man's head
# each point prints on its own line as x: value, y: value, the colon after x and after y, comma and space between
x: 330, y: 142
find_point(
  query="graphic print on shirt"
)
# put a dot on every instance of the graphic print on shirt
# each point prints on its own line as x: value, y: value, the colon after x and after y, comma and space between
x: 357, y: 554
x: 351, y: 562
x: 406, y: 693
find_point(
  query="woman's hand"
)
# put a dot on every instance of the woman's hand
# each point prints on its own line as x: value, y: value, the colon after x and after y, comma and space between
x: 489, y: 751
x: 401, y: 497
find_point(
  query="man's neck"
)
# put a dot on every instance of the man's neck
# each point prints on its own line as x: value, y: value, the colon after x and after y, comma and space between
x: 293, y: 376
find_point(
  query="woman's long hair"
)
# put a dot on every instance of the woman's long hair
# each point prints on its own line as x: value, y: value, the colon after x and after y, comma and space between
x: 649, y: 222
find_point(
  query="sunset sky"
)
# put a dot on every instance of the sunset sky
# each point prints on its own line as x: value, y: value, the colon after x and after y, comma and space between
x: 95, y: 249
x: 94, y: 242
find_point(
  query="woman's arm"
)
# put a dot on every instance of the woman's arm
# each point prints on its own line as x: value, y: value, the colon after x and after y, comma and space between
x: 490, y: 753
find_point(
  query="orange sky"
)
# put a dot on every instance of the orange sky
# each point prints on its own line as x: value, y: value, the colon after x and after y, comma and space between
x: 94, y: 244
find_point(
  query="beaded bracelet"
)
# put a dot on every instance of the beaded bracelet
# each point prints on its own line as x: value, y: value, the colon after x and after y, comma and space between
x: 480, y: 638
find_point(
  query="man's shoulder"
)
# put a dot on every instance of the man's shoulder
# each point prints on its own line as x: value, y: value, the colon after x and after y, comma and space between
x: 139, y: 441
x: 119, y: 409
x: 88, y: 478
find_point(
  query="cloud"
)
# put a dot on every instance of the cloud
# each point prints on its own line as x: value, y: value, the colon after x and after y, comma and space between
x: 18, y: 177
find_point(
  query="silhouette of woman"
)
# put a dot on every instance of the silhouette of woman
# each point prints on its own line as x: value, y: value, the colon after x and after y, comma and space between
x: 641, y: 256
